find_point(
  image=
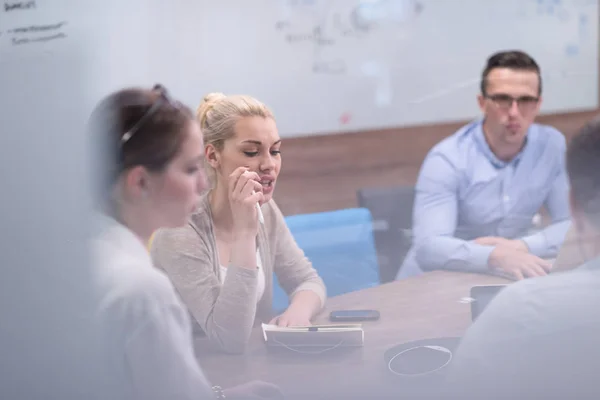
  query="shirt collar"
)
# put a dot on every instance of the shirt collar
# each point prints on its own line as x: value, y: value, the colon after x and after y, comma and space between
x: 110, y: 230
x: 487, y: 151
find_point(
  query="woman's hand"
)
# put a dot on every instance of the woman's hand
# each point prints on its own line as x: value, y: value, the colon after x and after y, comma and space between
x: 301, y: 310
x: 292, y: 317
x: 245, y: 191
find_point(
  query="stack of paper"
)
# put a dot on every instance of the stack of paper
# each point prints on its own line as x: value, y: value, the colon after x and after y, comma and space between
x: 327, y: 336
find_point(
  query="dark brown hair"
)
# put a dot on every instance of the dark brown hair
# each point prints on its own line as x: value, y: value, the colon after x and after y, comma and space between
x: 513, y: 59
x: 583, y: 166
x: 136, y: 127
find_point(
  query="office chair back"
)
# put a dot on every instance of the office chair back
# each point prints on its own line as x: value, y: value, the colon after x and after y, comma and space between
x: 392, y: 209
x: 341, y: 247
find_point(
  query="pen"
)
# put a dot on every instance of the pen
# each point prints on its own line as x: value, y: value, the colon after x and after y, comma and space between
x: 261, y: 217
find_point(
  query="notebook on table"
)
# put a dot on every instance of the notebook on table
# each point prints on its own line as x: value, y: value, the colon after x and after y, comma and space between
x: 316, y: 336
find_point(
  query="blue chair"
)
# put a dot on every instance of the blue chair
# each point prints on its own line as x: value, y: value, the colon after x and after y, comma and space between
x: 340, y: 246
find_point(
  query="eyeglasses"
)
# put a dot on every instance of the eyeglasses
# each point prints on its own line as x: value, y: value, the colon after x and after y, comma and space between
x: 505, y: 102
x: 163, y: 98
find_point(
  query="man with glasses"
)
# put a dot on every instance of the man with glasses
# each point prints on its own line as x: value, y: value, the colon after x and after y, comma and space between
x: 479, y: 189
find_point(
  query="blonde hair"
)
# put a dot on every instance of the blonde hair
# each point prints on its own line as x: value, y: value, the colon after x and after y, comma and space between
x: 218, y: 114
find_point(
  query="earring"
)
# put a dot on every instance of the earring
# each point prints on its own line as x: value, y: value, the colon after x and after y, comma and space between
x: 144, y: 188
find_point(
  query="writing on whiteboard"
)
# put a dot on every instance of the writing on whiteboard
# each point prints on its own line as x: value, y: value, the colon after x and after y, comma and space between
x: 20, y: 5
x: 37, y: 33
x: 332, y: 27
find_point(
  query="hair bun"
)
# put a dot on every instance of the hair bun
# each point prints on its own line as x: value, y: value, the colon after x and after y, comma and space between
x: 212, y: 97
x: 206, y: 105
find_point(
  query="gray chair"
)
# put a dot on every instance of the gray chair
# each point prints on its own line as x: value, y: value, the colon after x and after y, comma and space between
x: 391, y: 209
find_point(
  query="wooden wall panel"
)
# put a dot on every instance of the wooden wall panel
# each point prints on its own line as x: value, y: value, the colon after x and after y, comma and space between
x: 322, y: 173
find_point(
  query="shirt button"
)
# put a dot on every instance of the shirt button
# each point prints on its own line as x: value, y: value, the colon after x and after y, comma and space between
x: 506, y: 198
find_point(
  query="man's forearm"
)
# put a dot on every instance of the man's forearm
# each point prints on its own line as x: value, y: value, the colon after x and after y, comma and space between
x: 547, y: 242
x: 452, y: 254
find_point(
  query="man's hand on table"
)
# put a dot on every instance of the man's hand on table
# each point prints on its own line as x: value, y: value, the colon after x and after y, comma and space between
x: 515, y: 244
x: 254, y: 390
x: 512, y: 257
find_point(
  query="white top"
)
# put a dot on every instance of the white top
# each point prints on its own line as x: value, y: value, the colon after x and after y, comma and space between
x: 537, y: 339
x: 260, y: 288
x: 147, y: 329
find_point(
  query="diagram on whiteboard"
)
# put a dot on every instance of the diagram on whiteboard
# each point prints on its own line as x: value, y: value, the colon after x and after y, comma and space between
x: 327, y: 24
x: 405, y: 54
x: 350, y: 65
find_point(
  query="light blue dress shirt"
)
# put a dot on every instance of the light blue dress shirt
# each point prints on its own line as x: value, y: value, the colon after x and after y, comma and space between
x: 464, y: 192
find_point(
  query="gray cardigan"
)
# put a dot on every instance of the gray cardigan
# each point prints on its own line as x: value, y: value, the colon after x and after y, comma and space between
x: 226, y: 312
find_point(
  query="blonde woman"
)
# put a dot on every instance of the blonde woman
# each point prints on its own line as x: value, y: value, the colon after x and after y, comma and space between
x: 222, y: 261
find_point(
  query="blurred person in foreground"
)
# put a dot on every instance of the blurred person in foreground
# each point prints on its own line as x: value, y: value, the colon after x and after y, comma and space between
x: 539, y: 337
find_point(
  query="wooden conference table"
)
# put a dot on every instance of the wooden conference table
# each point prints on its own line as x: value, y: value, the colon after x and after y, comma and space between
x: 427, y: 306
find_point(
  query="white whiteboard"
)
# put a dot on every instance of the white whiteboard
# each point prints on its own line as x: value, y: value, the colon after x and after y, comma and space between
x: 375, y: 64
x: 390, y: 62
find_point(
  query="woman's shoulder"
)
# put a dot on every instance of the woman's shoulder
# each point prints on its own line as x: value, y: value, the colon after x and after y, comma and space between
x: 201, y: 219
x: 124, y: 272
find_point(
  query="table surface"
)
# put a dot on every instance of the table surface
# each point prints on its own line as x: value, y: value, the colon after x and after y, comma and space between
x: 428, y: 306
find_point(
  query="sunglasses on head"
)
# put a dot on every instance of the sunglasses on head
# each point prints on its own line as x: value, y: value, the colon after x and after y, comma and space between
x: 162, y: 99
